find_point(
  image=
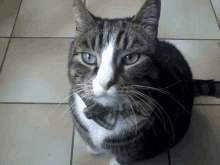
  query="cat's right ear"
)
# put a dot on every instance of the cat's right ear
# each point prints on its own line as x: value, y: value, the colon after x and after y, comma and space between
x: 149, y: 14
x: 82, y: 16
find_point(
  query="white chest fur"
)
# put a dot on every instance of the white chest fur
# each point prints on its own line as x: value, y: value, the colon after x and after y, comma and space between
x: 98, y: 133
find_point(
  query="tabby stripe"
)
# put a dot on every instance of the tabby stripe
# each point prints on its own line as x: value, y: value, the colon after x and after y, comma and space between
x: 105, y: 33
x: 125, y: 41
x: 93, y: 43
x: 100, y: 40
x: 101, y: 26
x: 86, y: 44
x: 119, y: 37
x: 135, y: 41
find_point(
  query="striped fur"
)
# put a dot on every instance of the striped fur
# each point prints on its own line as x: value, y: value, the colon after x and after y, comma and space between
x: 160, y: 78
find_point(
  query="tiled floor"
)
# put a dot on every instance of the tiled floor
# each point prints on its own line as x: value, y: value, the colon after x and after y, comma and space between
x: 34, y: 42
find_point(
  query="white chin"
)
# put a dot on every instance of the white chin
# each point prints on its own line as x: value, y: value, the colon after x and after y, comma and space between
x: 107, y: 101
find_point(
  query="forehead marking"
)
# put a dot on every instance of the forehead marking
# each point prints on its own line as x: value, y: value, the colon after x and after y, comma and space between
x: 106, y: 68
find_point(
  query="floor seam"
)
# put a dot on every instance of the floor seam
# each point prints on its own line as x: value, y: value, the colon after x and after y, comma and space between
x: 169, y: 159
x: 72, y: 146
x: 215, y: 14
x: 33, y: 103
x: 6, y: 51
x: 74, y: 37
x: 68, y: 103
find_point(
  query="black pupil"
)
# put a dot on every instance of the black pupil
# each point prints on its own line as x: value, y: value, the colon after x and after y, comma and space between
x: 88, y: 56
x: 130, y: 57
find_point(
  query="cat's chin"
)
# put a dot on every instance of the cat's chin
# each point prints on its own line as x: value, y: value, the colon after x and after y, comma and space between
x: 107, y: 101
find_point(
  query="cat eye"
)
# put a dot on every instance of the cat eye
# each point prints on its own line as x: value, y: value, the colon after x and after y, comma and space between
x: 131, y: 59
x: 88, y: 58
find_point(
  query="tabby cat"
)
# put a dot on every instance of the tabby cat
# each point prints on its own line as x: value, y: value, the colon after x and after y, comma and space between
x: 132, y: 94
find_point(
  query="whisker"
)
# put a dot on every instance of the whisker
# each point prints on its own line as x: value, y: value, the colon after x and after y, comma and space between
x: 62, y: 102
x: 157, y: 89
x: 171, y: 85
x: 153, y: 101
x: 167, y: 94
x: 132, y: 110
x: 141, y: 105
x: 137, y: 105
x: 67, y: 110
x: 150, y: 122
x: 127, y: 103
x: 136, y: 94
x: 72, y: 104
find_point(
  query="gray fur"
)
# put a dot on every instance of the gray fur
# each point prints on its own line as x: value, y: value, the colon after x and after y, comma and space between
x: 161, y: 66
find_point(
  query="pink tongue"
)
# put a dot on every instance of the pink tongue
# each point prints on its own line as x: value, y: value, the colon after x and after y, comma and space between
x: 104, y: 117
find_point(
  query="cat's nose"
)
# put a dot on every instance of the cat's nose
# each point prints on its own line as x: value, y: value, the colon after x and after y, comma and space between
x: 107, y: 85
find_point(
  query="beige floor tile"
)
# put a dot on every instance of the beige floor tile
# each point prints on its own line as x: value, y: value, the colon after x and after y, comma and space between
x: 202, y: 142
x: 191, y: 19
x: 3, y: 46
x: 32, y: 134
x: 51, y: 18
x: 216, y: 4
x: 202, y: 56
x: 82, y: 157
x: 204, y: 60
x: 8, y: 13
x: 179, y: 19
x: 114, y: 8
x: 35, y: 70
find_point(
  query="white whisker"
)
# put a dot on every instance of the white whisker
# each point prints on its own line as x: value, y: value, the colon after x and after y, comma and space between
x: 153, y: 101
x: 132, y: 110
x: 156, y: 105
x: 157, y: 89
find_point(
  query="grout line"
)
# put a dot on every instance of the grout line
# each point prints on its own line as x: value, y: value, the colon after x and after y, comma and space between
x: 206, y: 104
x: 215, y: 14
x: 16, y: 19
x: 6, y: 51
x: 188, y: 39
x: 169, y: 160
x: 72, y: 147
x: 68, y: 103
x: 74, y: 37
x: 33, y: 103
x: 45, y: 37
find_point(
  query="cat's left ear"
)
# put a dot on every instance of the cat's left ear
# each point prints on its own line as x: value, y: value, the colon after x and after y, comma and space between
x: 149, y: 14
x: 82, y: 16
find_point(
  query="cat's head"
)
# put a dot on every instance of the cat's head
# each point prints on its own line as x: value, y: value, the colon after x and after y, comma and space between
x: 109, y: 56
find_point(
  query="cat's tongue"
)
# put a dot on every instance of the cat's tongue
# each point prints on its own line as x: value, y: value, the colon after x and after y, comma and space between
x: 105, y: 117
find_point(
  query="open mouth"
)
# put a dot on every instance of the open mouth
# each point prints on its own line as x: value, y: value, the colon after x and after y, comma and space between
x: 107, y: 117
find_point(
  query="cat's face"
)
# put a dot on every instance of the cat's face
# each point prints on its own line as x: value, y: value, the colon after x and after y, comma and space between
x: 110, y: 57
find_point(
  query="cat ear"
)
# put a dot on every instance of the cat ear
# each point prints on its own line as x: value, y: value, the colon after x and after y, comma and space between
x: 82, y: 16
x: 149, y: 13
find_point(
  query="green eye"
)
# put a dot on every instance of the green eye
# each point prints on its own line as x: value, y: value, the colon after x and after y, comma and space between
x: 131, y: 59
x: 88, y: 58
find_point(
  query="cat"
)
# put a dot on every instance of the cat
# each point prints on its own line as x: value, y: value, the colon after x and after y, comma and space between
x: 132, y: 94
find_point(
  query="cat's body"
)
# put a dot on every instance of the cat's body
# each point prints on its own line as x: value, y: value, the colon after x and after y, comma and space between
x: 121, y: 62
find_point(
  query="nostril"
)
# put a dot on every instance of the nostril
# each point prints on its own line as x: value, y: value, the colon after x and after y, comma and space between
x: 107, y: 85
